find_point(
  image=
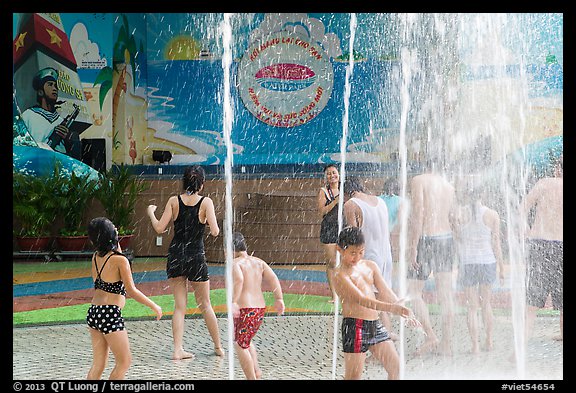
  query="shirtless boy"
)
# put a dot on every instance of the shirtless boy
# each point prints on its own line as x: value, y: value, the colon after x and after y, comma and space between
x: 248, y: 305
x: 356, y: 280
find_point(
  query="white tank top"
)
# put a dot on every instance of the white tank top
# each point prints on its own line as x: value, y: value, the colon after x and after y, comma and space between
x: 377, y: 236
x: 475, y: 240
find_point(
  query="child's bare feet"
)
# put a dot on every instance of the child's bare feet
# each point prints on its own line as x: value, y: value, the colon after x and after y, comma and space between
x: 179, y: 355
x: 219, y: 351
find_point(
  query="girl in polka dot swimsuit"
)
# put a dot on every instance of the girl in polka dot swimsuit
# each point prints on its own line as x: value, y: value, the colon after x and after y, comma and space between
x: 112, y: 281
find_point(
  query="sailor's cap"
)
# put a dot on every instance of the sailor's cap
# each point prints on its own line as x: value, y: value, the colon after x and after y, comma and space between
x: 44, y: 75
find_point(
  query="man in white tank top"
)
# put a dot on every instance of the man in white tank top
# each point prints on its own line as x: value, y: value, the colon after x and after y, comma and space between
x: 369, y: 213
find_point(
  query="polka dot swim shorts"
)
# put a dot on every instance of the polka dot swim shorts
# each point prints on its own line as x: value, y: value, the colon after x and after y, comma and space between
x: 105, y: 318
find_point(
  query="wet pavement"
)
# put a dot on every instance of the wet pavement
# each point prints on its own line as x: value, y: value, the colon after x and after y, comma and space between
x: 290, y: 347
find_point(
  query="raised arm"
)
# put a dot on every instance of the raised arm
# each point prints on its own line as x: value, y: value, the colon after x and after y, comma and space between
x: 324, y: 209
x: 352, y: 214
x: 161, y: 225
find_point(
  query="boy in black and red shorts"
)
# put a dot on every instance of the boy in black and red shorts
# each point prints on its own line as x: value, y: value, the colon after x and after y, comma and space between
x: 364, y: 294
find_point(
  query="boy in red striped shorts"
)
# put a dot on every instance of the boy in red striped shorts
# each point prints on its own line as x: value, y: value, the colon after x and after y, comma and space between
x: 248, y: 305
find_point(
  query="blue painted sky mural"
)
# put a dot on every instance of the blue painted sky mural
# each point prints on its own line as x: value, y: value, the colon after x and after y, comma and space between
x: 180, y: 105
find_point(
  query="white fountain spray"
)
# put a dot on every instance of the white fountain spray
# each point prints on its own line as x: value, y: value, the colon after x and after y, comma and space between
x: 343, y: 143
x: 228, y: 117
x: 485, y: 99
x: 406, y: 57
x: 502, y: 115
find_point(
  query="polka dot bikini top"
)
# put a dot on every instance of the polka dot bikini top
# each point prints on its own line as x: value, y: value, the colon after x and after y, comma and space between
x: 110, y: 287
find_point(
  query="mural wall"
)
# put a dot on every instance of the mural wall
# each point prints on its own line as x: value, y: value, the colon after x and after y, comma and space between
x: 145, y: 82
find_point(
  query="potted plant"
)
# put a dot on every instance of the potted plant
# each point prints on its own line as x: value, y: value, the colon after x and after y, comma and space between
x: 74, y: 193
x: 34, y: 209
x: 118, y: 191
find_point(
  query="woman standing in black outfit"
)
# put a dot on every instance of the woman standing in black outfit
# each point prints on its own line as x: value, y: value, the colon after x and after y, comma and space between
x: 190, y: 213
x: 328, y: 198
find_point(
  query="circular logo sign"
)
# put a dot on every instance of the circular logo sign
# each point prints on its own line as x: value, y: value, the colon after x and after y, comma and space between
x: 285, y: 80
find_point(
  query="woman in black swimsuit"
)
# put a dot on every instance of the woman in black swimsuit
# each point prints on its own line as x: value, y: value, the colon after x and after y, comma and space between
x: 112, y: 281
x: 190, y: 212
x: 328, y: 198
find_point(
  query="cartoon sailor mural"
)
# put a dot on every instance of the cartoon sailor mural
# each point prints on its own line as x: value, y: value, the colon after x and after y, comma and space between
x: 47, y: 86
x: 46, y: 125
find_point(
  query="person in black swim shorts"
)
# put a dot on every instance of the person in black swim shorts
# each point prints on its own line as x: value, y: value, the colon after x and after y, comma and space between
x: 430, y: 249
x: 364, y: 294
x: 545, y: 244
x: 191, y: 213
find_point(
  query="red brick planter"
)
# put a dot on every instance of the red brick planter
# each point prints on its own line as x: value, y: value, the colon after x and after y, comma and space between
x: 124, y: 241
x: 33, y: 244
x: 73, y: 243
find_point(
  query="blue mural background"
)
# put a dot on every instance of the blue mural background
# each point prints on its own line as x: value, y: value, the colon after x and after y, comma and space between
x: 183, y: 94
x: 194, y: 110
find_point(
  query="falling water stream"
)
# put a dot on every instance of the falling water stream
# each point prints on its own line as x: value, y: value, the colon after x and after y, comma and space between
x: 444, y: 110
x: 446, y: 113
x: 402, y: 267
x: 228, y: 118
x: 343, y: 148
x: 462, y: 79
x: 461, y: 85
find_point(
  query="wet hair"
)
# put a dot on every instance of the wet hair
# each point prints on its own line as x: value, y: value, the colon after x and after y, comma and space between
x: 350, y: 236
x: 193, y: 179
x: 469, y: 190
x: 391, y: 186
x: 103, y: 235
x: 238, y: 242
x: 352, y: 185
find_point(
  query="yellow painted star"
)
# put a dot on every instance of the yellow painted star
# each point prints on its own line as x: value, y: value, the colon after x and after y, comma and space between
x: 20, y: 41
x: 54, y: 38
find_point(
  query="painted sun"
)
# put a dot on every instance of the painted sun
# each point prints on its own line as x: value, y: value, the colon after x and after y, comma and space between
x: 182, y: 48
